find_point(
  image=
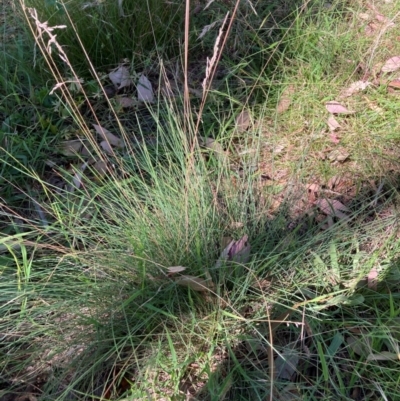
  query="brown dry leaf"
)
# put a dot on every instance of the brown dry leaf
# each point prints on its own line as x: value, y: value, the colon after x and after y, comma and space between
x: 395, y: 83
x: 195, y: 283
x: 71, y: 148
x: 337, y: 108
x: 145, y: 90
x: 334, y: 138
x: 236, y: 251
x: 216, y: 148
x: 384, y: 356
x: 371, y: 28
x: 125, y: 102
x: 242, y: 122
x: 286, y: 364
x: 314, y: 187
x: 373, y: 106
x: 101, y: 167
x: 120, y: 77
x: 358, y: 346
x: 207, y: 28
x: 372, y: 279
x: 108, y: 137
x: 391, y: 65
x: 106, y: 147
x: 176, y: 269
x: 77, y: 179
x: 355, y: 87
x: 338, y: 155
x: 332, y: 123
x: 333, y: 208
x: 285, y: 99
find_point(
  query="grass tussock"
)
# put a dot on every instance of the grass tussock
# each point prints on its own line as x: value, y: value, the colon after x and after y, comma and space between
x: 220, y: 229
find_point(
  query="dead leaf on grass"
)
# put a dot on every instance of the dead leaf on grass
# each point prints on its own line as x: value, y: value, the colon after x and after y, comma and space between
x: 73, y: 148
x: 120, y: 77
x: 391, y: 65
x: 195, y: 283
x: 236, y: 251
x: 285, y: 99
x: 384, y: 356
x: 357, y: 345
x: 355, y: 87
x: 108, y: 137
x: 337, y: 108
x: 145, y: 90
x: 242, y: 122
x: 77, y: 179
x: 373, y: 106
x: 101, y: 167
x: 395, y: 83
x: 333, y: 208
x: 216, y: 148
x: 286, y: 364
x: 106, y: 147
x: 207, y: 28
x: 334, y: 138
x: 372, y: 279
x: 176, y: 269
x: 333, y: 124
x: 339, y: 155
x: 125, y: 102
x: 371, y: 28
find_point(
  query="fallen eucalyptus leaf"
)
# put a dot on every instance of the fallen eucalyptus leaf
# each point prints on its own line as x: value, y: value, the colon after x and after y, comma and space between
x: 333, y: 208
x: 216, y: 148
x: 285, y: 99
x: 145, y: 90
x: 242, y: 121
x: 106, y: 147
x: 391, y: 65
x: 176, y: 269
x: 394, y: 84
x: 108, y: 136
x: 332, y: 123
x: 286, y: 364
x: 354, y: 88
x: 125, y: 102
x: 101, y: 167
x: 207, y: 28
x: 337, y: 108
x: 384, y: 356
x: 236, y: 251
x: 120, y: 77
x: 372, y: 279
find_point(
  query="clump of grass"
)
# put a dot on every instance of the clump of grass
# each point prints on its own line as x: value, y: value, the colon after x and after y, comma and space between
x: 91, y: 309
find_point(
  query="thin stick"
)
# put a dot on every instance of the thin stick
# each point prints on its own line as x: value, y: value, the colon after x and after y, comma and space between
x: 186, y: 100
